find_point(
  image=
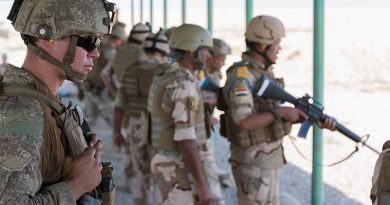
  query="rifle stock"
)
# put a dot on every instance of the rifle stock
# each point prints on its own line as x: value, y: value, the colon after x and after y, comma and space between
x: 267, y: 88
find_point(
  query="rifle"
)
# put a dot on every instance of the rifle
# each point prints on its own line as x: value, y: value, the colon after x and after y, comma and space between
x: 267, y: 88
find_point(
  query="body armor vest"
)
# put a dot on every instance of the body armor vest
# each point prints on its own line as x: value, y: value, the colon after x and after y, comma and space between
x: 273, y: 132
x: 162, y: 129
x: 136, y: 83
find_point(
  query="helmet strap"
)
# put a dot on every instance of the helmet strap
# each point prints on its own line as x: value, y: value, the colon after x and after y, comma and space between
x: 264, y: 55
x: 67, y: 61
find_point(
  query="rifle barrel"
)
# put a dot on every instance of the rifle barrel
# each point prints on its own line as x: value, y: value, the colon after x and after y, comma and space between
x: 345, y: 131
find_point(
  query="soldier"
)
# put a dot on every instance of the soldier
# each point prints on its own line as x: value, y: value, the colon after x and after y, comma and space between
x: 381, y: 179
x: 99, y: 96
x: 178, y: 131
x: 218, y: 56
x: 37, y: 165
x: 130, y: 52
x: 132, y: 96
x: 3, y: 64
x: 255, y: 127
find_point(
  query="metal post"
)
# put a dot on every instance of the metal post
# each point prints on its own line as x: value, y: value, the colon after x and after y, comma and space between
x: 249, y: 11
x: 317, y: 186
x: 132, y: 11
x: 141, y: 10
x: 183, y: 11
x: 151, y: 13
x: 210, y: 16
x: 165, y: 13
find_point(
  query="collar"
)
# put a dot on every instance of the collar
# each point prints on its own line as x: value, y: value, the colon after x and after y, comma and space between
x: 253, y: 62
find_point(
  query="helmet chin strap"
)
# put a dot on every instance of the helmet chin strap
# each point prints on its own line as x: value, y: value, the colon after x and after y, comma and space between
x: 67, y: 61
x: 265, y: 56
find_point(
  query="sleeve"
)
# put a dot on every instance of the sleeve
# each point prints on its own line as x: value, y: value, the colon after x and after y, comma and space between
x: 21, y: 139
x: 186, y: 101
x: 240, y: 99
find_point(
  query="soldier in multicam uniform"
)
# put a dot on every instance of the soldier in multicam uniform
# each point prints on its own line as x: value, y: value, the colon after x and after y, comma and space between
x: 178, y: 131
x: 99, y: 97
x: 255, y: 127
x: 130, y: 52
x: 132, y: 97
x: 61, y: 38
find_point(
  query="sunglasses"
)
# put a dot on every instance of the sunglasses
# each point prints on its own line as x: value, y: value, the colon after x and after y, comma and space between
x: 89, y: 43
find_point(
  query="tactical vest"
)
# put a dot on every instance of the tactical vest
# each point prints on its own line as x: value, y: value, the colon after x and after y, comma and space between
x: 64, y: 133
x: 273, y: 132
x: 136, y: 84
x: 126, y: 56
x: 162, y: 129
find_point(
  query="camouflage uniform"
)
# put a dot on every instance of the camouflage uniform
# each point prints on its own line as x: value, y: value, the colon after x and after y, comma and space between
x: 380, y: 179
x: 256, y: 156
x: 32, y: 154
x: 132, y: 97
x: 176, y: 114
x: 99, y: 102
x: 207, y: 157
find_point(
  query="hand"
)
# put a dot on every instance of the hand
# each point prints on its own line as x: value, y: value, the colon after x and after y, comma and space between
x: 97, y: 144
x: 204, y: 195
x: 119, y: 140
x: 82, y: 174
x: 291, y: 115
x: 329, y: 123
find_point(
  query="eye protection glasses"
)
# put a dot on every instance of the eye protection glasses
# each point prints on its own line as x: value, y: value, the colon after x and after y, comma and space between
x: 89, y: 43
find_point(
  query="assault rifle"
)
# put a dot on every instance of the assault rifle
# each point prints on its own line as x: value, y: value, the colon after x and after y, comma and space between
x: 267, y: 88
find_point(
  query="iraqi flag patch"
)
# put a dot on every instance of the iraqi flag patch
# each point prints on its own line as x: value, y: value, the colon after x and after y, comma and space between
x: 240, y: 91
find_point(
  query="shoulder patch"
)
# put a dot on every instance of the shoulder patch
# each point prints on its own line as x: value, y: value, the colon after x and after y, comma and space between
x: 242, y: 72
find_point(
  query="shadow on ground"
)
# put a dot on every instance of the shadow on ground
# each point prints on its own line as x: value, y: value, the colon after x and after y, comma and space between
x: 297, y: 183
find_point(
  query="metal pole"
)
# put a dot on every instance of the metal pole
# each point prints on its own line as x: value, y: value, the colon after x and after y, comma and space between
x: 141, y: 10
x: 183, y: 11
x: 317, y: 186
x: 132, y: 11
x: 165, y: 13
x: 151, y: 13
x: 210, y: 15
x: 249, y: 11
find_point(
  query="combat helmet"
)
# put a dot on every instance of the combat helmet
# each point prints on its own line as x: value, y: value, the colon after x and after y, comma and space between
x: 118, y: 30
x: 189, y: 37
x: 265, y: 30
x: 158, y: 41
x: 220, y: 47
x: 82, y: 20
x: 139, y: 32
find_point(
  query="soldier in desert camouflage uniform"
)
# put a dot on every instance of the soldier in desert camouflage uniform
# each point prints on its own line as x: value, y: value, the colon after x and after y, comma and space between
x: 178, y: 131
x: 99, y: 94
x: 255, y: 127
x: 132, y: 98
x: 129, y: 53
x: 218, y: 56
x: 35, y: 164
